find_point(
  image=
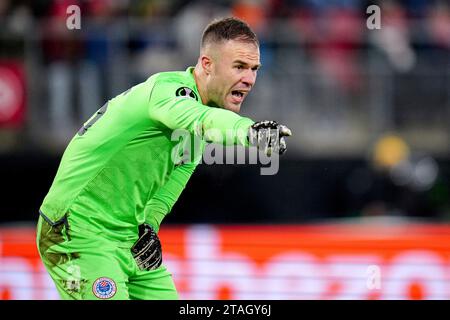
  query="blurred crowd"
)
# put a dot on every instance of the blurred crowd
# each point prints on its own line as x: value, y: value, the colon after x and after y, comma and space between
x: 340, y: 85
x: 330, y: 30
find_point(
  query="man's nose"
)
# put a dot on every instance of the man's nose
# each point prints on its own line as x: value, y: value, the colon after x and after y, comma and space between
x: 249, y: 78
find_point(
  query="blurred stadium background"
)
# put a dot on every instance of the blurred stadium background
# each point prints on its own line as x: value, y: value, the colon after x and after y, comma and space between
x: 360, y: 208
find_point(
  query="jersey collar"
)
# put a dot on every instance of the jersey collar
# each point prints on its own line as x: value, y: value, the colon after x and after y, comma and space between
x: 190, y: 71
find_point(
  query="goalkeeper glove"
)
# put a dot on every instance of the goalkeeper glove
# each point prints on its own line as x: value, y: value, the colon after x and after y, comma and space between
x: 147, y: 251
x: 269, y: 136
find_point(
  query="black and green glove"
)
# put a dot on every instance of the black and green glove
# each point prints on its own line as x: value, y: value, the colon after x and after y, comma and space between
x: 269, y: 136
x: 147, y: 251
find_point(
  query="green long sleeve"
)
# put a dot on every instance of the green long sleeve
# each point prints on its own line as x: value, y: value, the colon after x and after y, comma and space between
x: 164, y: 199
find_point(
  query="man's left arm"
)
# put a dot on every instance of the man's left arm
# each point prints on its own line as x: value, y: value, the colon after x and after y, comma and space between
x: 147, y: 250
x: 166, y: 196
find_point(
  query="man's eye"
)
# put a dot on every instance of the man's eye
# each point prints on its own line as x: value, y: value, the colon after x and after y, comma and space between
x: 239, y: 67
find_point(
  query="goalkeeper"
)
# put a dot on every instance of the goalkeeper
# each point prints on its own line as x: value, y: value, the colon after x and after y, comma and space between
x: 118, y: 178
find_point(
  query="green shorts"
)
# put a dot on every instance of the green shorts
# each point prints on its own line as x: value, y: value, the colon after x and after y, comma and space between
x: 88, y: 266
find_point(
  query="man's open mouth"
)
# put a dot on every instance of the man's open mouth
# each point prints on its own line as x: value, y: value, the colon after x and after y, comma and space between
x: 237, y: 93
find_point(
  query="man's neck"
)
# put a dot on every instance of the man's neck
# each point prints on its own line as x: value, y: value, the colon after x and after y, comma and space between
x: 199, y: 78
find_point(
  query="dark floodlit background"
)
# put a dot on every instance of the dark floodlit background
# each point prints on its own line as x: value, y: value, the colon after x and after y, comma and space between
x: 369, y: 109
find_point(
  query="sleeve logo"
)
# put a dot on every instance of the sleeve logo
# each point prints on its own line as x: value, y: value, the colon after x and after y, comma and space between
x: 186, y: 92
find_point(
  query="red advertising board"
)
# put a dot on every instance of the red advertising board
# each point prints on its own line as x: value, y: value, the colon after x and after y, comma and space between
x: 408, y: 261
x: 12, y: 93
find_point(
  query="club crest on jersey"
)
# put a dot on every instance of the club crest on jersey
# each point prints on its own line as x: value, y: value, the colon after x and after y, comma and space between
x: 104, y: 288
x: 185, y: 92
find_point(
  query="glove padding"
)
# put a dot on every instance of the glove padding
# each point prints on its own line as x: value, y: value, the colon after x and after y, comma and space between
x: 269, y: 136
x: 147, y: 251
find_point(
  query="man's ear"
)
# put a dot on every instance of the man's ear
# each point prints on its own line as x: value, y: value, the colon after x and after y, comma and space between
x: 206, y: 63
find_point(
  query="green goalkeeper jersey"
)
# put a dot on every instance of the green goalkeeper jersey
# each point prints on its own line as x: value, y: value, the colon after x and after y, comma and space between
x: 124, y: 166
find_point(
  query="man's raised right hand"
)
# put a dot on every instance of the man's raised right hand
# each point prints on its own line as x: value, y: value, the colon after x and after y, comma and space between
x: 269, y: 136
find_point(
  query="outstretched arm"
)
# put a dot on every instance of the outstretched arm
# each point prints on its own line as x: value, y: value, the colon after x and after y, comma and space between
x: 213, y: 124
